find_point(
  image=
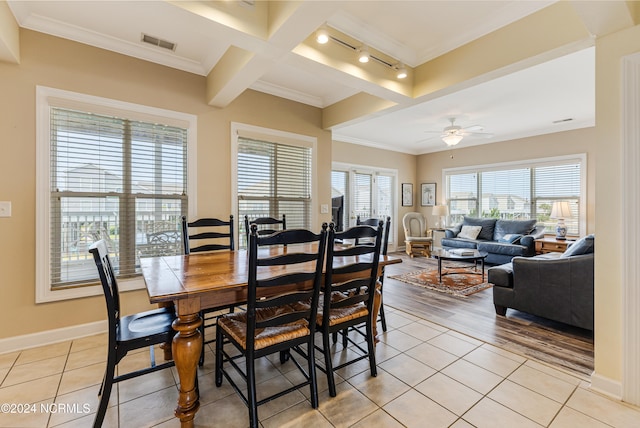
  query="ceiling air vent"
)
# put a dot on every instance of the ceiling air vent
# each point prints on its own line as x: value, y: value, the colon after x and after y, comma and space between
x: 158, y: 42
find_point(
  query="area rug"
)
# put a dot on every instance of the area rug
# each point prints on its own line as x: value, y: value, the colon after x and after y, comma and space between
x: 458, y: 282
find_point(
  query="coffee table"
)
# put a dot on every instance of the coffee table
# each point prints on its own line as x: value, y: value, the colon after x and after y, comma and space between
x: 474, y: 256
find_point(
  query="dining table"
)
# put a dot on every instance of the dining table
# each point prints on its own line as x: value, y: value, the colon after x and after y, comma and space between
x: 200, y: 281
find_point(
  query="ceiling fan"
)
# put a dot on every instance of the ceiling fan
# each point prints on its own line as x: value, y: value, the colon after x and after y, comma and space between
x: 453, y: 133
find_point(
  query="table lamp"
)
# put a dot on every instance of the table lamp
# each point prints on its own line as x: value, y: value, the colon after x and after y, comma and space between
x: 561, y: 210
x: 441, y: 211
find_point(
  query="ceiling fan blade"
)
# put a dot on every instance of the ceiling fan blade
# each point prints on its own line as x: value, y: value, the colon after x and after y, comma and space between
x: 474, y: 128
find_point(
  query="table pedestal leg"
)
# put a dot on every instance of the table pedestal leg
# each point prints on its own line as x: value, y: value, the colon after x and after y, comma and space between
x: 187, y: 344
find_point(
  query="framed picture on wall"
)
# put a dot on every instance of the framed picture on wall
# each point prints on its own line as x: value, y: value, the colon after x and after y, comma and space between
x: 428, y: 194
x: 407, y: 194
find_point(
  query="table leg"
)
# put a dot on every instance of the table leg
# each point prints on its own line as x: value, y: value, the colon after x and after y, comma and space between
x: 187, y: 345
x: 439, y: 269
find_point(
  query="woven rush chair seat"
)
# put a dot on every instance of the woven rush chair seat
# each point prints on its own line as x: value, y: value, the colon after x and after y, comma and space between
x: 235, y: 326
x: 343, y: 314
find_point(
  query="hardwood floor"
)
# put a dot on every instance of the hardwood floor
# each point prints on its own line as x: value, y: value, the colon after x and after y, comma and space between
x: 561, y: 345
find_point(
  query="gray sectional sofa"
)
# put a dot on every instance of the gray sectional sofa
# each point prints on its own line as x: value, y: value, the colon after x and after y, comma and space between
x: 501, y: 239
x: 557, y: 286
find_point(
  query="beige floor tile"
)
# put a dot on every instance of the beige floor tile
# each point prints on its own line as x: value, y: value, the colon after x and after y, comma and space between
x: 400, y: 340
x: 420, y: 331
x: 452, y: 344
x: 73, y: 380
x: 35, y: 370
x: 131, y: 389
x: 347, y: 407
x: 473, y: 376
x: 300, y: 415
x: 385, y: 352
x: 407, y: 316
x: 557, y: 373
x: 407, y: 369
x: 380, y: 389
x: 209, y: 392
x: 378, y: 419
x: 78, y: 404
x: 3, y: 374
x: 493, y: 362
x: 273, y: 386
x: 449, y: 393
x: 413, y: 409
x: 534, y: 406
x: 569, y: 418
x: 150, y: 409
x: 229, y: 412
x: 43, y: 352
x: 40, y: 389
x: 86, y: 357
x: 433, y: 325
x: 396, y: 320
x: 512, y: 356
x: 489, y: 414
x: 93, y: 341
x: 542, y: 383
x: 461, y: 423
x: 21, y: 415
x: 466, y: 338
x: 432, y: 356
x: 604, y: 409
x: 8, y: 360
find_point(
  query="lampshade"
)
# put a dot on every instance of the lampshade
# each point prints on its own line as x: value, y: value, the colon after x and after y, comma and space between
x: 452, y: 139
x: 560, y: 209
x: 440, y: 210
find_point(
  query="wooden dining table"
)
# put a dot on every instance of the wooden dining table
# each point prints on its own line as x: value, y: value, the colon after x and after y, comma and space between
x: 201, y: 281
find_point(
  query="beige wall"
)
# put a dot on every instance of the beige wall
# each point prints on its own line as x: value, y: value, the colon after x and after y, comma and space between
x: 57, y: 63
x: 608, y: 266
x: 430, y: 166
x: 404, y: 163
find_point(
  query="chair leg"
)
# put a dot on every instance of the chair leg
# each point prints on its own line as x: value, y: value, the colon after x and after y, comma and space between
x: 383, y: 320
x: 345, y: 336
x: 201, y: 361
x: 105, y: 393
x: 371, y: 348
x: 252, y: 399
x: 219, y: 343
x: 328, y: 366
x: 313, y: 384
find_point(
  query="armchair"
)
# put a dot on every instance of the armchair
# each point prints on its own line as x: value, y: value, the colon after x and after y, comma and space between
x: 416, y: 238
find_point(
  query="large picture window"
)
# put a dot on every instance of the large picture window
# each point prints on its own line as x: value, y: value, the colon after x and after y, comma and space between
x: 112, y: 177
x: 274, y: 177
x: 522, y: 190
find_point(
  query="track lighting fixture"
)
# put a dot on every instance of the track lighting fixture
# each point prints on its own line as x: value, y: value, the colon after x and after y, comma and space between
x: 323, y: 36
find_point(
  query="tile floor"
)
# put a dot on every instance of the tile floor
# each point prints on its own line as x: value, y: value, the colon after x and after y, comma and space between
x: 428, y: 376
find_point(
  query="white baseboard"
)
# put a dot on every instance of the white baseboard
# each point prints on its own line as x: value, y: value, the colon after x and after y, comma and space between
x: 17, y: 343
x: 606, y: 386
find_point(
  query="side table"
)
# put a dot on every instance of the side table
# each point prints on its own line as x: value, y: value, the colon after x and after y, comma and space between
x: 550, y: 244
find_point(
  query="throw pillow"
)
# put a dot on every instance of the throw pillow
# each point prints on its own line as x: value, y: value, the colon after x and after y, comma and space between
x: 521, y: 227
x: 581, y: 246
x: 510, y: 238
x: 487, y: 224
x: 469, y: 232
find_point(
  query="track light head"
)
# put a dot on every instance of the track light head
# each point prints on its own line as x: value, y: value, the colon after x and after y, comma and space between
x: 401, y: 71
x: 363, y: 55
x: 322, y: 36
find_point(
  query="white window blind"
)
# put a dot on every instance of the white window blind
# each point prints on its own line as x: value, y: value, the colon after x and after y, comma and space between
x: 115, y: 179
x: 362, y: 195
x: 519, y: 191
x: 274, y: 179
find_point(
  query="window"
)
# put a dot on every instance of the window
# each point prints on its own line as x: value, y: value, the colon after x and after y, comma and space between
x: 520, y: 190
x: 109, y: 174
x: 274, y: 177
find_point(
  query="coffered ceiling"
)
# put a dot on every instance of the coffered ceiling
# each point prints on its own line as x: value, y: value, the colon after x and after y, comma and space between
x: 270, y: 47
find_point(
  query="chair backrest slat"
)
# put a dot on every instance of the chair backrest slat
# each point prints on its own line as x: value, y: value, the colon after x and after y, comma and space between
x: 262, y: 222
x: 109, y: 285
x: 223, y: 233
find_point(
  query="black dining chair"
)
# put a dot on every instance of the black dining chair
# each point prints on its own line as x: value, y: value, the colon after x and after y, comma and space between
x: 211, y: 234
x: 348, y: 296
x: 281, y: 313
x: 266, y: 225
x: 127, y: 333
x: 383, y: 251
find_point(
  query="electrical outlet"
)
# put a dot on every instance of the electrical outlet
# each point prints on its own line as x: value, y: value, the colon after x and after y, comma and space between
x: 5, y: 208
x: 324, y: 209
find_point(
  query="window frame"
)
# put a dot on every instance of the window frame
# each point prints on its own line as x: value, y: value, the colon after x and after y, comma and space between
x: 276, y: 136
x: 46, y: 98
x: 580, y: 158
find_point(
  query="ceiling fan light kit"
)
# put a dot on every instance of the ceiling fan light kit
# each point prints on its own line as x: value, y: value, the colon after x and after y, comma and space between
x: 452, y: 139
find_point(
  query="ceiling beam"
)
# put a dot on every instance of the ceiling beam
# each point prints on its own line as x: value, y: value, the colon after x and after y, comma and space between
x: 9, y: 35
x: 602, y: 18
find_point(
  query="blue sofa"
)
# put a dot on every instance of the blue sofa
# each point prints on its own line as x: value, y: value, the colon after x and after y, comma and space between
x: 501, y: 239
